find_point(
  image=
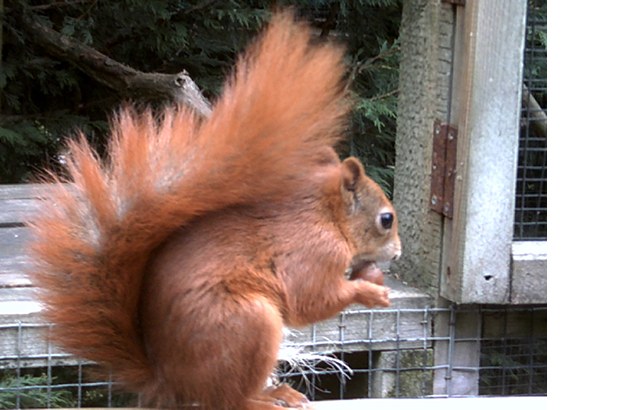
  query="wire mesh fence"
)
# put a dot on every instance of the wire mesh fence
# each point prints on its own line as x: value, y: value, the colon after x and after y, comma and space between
x: 531, y: 200
x: 360, y: 354
x: 513, y: 351
x: 513, y: 367
x: 387, y: 353
x: 35, y: 374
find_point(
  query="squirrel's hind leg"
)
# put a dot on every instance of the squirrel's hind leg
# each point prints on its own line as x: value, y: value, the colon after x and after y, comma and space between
x: 239, y: 351
x: 284, y: 395
x: 264, y: 405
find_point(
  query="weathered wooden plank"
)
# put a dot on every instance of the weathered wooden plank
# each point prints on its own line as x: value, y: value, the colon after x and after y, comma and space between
x: 529, y: 272
x: 19, y: 202
x: 449, y: 327
x: 23, y: 337
x: 22, y: 191
x: 13, y: 260
x: 16, y: 211
x: 13, y: 280
x: 515, y: 323
x: 21, y: 292
x: 486, y: 108
x: 475, y: 266
x: 464, y: 403
x: 23, y: 332
x: 424, y: 88
x: 13, y: 241
x: 404, y: 325
x: 461, y: 403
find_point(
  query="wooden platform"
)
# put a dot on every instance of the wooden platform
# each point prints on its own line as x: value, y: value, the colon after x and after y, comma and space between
x: 468, y: 403
x: 22, y: 330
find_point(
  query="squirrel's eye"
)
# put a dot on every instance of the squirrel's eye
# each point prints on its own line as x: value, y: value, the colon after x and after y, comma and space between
x: 386, y: 219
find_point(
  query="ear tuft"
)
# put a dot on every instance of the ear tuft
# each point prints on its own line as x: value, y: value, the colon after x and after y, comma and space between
x: 352, y: 171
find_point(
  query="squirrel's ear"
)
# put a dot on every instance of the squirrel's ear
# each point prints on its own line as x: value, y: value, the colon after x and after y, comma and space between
x: 352, y: 171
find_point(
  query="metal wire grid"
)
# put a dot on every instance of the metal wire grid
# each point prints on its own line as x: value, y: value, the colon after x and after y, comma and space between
x: 396, y: 363
x: 514, y: 363
x: 36, y: 375
x: 531, y: 199
x: 390, y: 355
x: 513, y: 367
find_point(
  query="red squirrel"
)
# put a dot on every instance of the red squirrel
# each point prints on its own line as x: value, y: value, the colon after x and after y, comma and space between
x: 176, y: 261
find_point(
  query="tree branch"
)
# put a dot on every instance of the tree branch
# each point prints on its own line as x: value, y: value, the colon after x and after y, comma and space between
x: 362, y: 66
x: 59, y: 5
x: 330, y: 21
x: 128, y: 82
x: 538, y: 118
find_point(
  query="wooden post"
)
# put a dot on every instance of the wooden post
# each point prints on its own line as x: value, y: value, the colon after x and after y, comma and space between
x: 529, y: 272
x: 486, y: 110
x: 459, y: 359
x: 461, y: 65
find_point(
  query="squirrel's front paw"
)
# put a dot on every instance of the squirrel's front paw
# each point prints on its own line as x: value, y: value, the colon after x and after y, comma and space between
x: 371, y: 295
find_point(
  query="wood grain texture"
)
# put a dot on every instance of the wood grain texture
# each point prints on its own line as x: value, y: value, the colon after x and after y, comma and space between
x: 529, y: 272
x: 469, y: 403
x: 477, y: 245
x: 464, y: 403
x: 424, y: 87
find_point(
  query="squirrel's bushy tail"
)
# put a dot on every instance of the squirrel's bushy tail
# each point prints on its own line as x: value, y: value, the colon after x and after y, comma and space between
x: 282, y: 110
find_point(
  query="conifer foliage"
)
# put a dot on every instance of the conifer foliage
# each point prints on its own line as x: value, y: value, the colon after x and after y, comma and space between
x: 52, y: 53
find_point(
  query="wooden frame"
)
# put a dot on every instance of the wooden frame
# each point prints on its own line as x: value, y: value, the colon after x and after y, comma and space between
x: 478, y: 261
x: 462, y: 67
x: 487, y: 403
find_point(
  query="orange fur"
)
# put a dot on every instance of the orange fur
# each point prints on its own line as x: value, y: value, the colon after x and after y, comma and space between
x: 176, y: 262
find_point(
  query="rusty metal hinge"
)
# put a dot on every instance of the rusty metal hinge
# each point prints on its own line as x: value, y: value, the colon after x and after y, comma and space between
x: 443, y: 171
x: 456, y: 2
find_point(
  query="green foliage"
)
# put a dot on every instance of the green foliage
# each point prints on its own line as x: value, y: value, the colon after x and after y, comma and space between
x: 69, y: 387
x: 535, y: 68
x: 31, y: 391
x: 42, y: 100
x: 513, y: 367
x: 375, y: 116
